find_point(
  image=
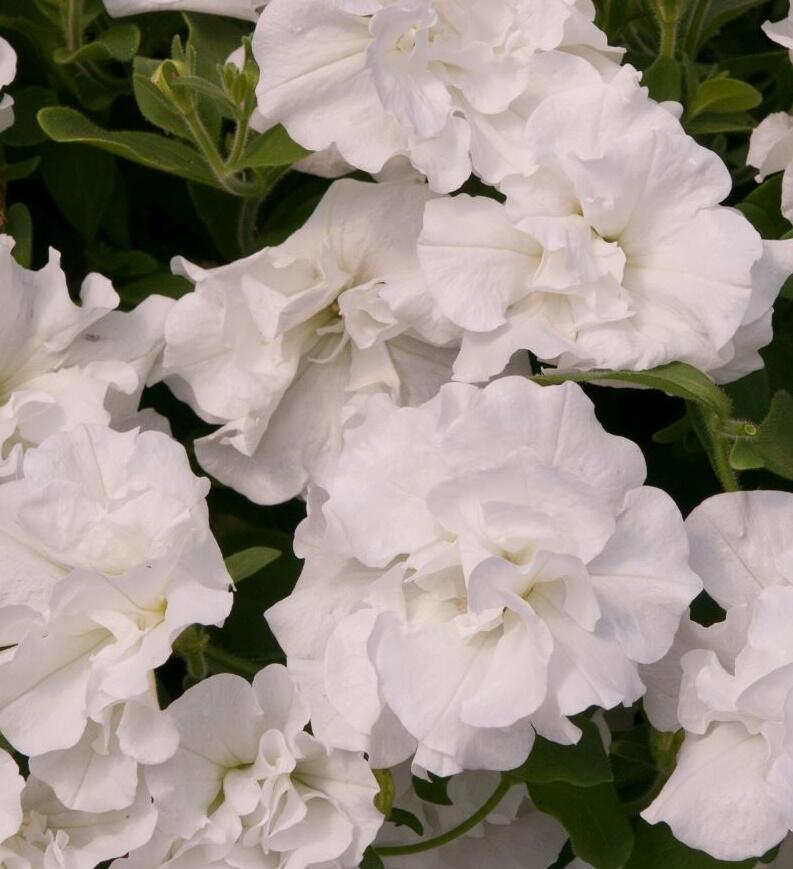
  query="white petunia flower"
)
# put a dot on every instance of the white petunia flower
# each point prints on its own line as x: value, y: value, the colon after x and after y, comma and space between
x: 513, y: 836
x: 771, y: 151
x: 62, y: 364
x: 277, y: 347
x: 448, y: 84
x: 249, y: 787
x: 105, y: 557
x: 11, y: 786
x: 781, y: 32
x: 732, y: 790
x: 51, y: 836
x: 8, y: 70
x: 484, y: 566
x: 245, y: 9
x: 613, y: 254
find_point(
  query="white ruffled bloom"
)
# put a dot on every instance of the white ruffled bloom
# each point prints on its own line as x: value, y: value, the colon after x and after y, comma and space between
x: 249, y: 787
x: 781, y: 31
x: 771, y: 151
x: 50, y: 836
x: 484, y: 566
x: 105, y: 556
x: 279, y: 347
x: 731, y: 793
x: 614, y: 253
x: 8, y: 70
x: 448, y: 84
x: 62, y: 364
x: 245, y: 9
x: 513, y: 836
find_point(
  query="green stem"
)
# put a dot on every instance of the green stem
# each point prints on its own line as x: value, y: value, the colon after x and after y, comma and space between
x: 709, y: 429
x: 233, y: 663
x: 247, y: 225
x: 691, y: 45
x: 73, y: 24
x: 455, y: 833
x: 239, y: 143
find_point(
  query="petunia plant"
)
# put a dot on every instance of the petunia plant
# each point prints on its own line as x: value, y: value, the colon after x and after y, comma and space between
x: 396, y: 434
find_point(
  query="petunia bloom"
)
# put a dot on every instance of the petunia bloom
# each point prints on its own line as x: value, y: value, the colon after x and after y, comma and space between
x: 483, y: 567
x: 63, y: 364
x: 280, y: 347
x: 8, y: 69
x: 245, y: 9
x: 448, y: 85
x: 730, y: 686
x: 106, y: 557
x: 613, y: 253
x: 249, y: 787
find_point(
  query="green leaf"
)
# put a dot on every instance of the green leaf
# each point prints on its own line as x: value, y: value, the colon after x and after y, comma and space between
x: 721, y: 12
x: 25, y: 131
x: 664, y: 78
x: 763, y: 208
x: 712, y: 123
x: 162, y: 283
x: 273, y: 148
x: 724, y: 95
x: 677, y: 379
x: 594, y: 819
x: 19, y: 226
x: 152, y: 102
x: 119, y: 42
x: 248, y: 562
x: 81, y: 181
x: 774, y: 442
x: 372, y: 861
x: 149, y: 149
x: 657, y: 848
x: 406, y: 819
x: 583, y: 764
x: 744, y: 457
x: 435, y: 791
x: 19, y: 171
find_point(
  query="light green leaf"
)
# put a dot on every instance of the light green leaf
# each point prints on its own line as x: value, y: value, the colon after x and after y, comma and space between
x: 664, y: 78
x: 248, y: 562
x: 149, y: 149
x: 677, y: 379
x: 594, y: 819
x: 724, y: 95
x: 712, y: 123
x: 273, y: 148
x: 583, y: 764
x: 119, y: 42
x: 152, y: 102
x: 774, y: 442
x: 19, y: 226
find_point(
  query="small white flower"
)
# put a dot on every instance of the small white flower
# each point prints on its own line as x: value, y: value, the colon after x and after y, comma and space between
x: 781, y: 32
x: 771, y: 151
x: 249, y: 787
x: 614, y: 253
x: 281, y: 346
x: 485, y: 566
x: 513, y: 836
x: 50, y: 836
x: 62, y: 364
x: 105, y: 556
x: 448, y: 84
x: 246, y: 9
x: 8, y: 69
x: 732, y: 791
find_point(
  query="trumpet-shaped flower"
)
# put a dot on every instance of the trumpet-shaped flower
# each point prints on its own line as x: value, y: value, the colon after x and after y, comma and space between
x: 771, y: 151
x: 279, y: 347
x: 613, y: 253
x: 8, y: 69
x: 448, y: 84
x: 249, y: 787
x: 732, y: 684
x: 105, y: 557
x: 50, y: 836
x: 485, y: 566
x: 62, y: 364
x: 245, y: 9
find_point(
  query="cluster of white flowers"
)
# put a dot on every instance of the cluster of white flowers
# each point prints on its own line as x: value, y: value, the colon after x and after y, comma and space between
x: 482, y: 559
